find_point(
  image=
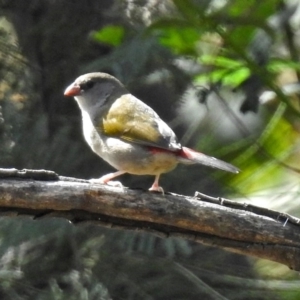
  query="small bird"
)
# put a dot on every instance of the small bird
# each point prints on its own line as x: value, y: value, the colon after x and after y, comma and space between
x: 129, y: 134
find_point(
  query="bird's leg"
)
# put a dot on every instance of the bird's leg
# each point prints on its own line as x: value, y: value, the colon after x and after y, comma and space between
x: 155, y: 186
x: 106, y: 179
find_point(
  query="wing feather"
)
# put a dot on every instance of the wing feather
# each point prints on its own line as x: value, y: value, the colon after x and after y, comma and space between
x: 132, y: 120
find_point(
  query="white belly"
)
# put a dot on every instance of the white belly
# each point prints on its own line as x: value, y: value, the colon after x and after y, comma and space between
x: 125, y: 156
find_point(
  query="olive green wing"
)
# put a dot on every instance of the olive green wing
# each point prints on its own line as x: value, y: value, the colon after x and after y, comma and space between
x: 132, y: 120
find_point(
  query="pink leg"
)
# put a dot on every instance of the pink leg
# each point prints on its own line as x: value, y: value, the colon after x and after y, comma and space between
x: 155, y: 186
x: 106, y: 179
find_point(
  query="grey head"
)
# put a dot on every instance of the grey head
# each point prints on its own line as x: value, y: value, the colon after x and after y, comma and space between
x: 94, y: 90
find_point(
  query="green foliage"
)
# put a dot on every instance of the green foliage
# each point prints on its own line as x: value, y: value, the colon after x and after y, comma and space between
x: 111, y: 35
x: 279, y: 65
x: 225, y: 41
x: 232, y: 72
x: 228, y: 71
x: 240, y: 19
x: 274, y: 144
x: 180, y: 38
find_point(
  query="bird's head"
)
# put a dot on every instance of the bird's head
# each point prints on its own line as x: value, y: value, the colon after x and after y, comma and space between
x: 94, y: 90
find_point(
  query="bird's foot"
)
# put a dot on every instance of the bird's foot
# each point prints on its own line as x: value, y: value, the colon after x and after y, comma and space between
x: 110, y: 183
x: 115, y: 184
x: 106, y: 179
x: 156, y: 188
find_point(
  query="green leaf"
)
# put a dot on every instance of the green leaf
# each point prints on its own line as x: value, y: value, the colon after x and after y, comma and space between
x: 180, y: 40
x: 230, y: 72
x: 231, y: 78
x: 177, y: 35
x: 220, y: 61
x: 112, y: 35
x: 192, y: 11
x: 259, y: 10
x: 279, y: 65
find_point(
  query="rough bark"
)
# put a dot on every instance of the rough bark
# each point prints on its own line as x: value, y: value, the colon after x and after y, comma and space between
x: 238, y: 227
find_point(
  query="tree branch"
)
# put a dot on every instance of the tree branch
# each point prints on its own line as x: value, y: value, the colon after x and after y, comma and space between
x: 234, y: 226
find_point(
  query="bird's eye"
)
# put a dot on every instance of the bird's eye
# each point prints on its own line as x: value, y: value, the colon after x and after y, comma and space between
x: 87, y: 85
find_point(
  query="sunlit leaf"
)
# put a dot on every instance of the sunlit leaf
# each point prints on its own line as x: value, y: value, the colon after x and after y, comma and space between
x: 279, y: 65
x: 226, y: 70
x: 180, y: 40
x: 220, y: 61
x: 253, y: 8
x: 111, y: 35
x: 177, y: 35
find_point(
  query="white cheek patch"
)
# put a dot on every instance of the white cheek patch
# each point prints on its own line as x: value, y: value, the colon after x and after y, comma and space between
x: 93, y: 99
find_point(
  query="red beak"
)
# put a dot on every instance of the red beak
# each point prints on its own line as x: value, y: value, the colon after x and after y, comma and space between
x: 72, y: 90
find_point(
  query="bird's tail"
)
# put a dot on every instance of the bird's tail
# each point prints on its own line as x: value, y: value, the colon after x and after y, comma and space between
x: 189, y: 156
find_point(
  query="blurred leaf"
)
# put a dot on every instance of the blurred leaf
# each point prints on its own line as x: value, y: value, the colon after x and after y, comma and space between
x: 228, y: 71
x: 231, y: 78
x: 177, y: 35
x: 279, y: 65
x: 190, y: 10
x: 220, y: 61
x: 253, y: 8
x: 112, y: 35
x: 179, y: 40
x: 260, y: 159
x: 243, y: 34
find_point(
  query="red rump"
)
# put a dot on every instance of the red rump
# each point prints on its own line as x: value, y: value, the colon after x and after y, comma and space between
x: 184, y: 152
x: 187, y: 153
x: 159, y: 150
